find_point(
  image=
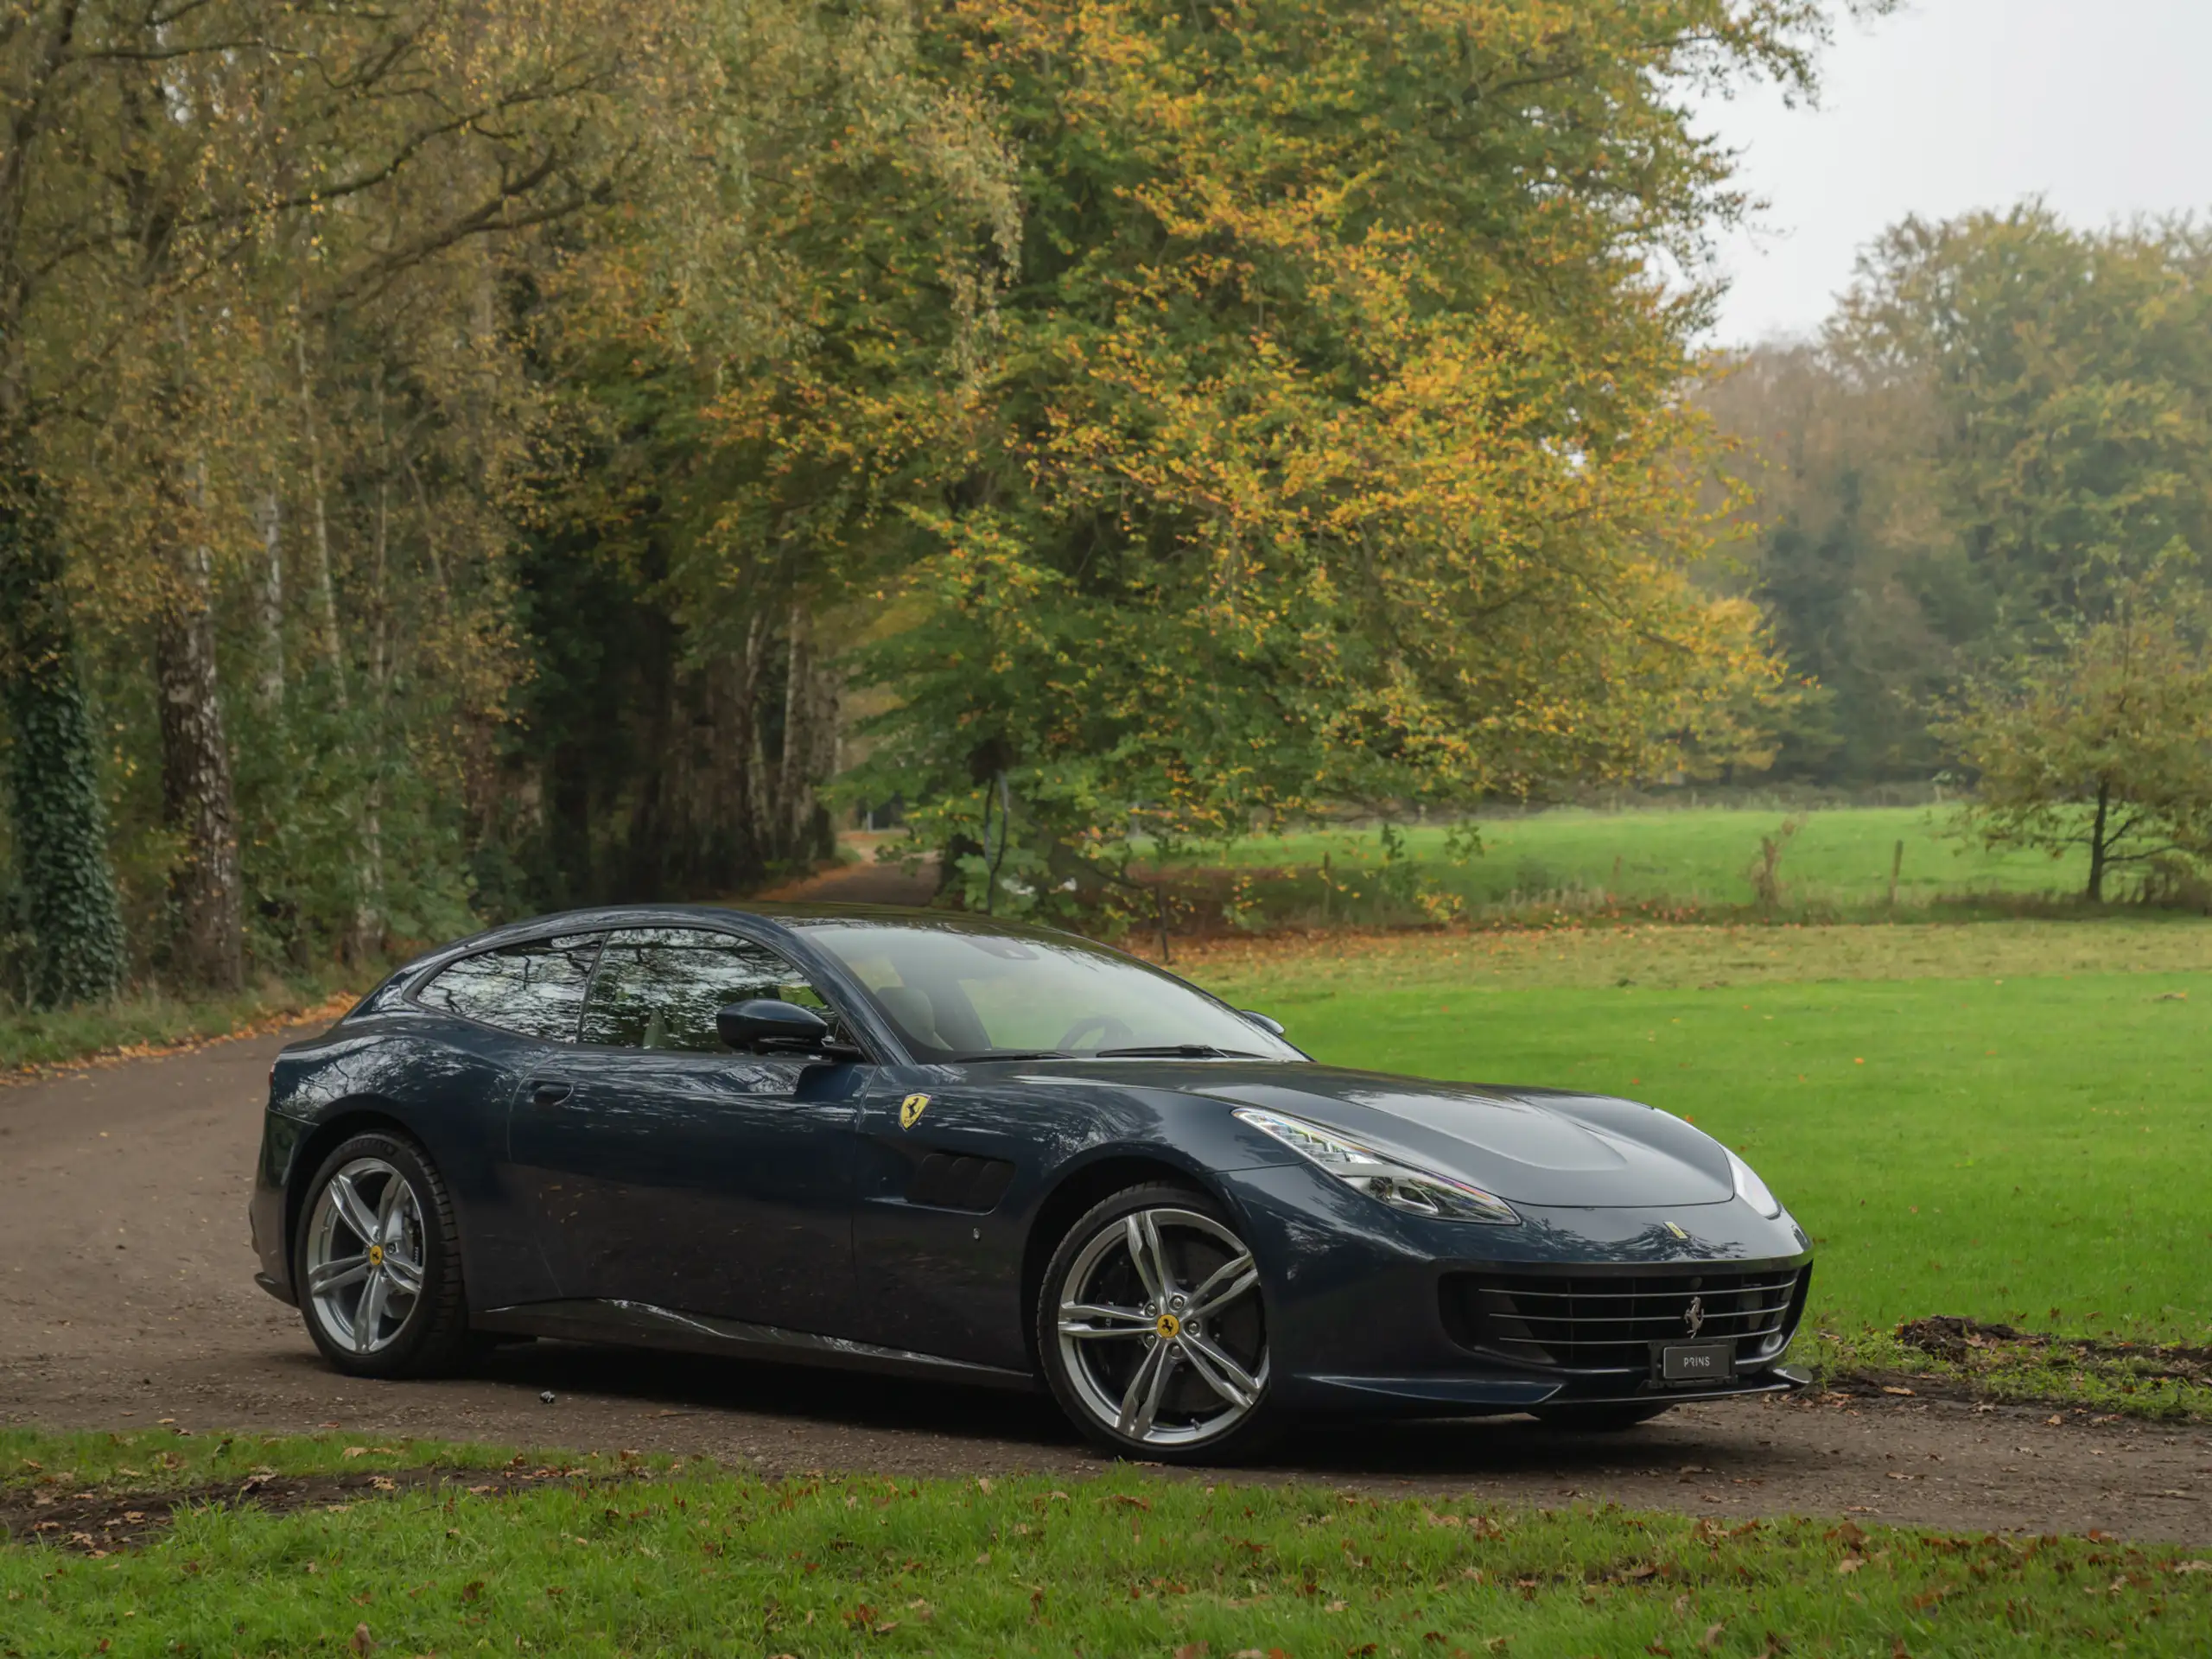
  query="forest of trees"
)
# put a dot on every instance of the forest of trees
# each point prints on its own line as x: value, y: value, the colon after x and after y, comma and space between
x: 1978, y: 511
x: 2002, y: 439
x: 457, y: 460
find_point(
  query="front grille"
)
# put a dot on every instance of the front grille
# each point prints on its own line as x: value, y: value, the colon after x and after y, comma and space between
x: 1609, y: 1321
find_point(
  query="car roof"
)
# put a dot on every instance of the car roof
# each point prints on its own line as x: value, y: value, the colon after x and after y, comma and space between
x: 778, y: 916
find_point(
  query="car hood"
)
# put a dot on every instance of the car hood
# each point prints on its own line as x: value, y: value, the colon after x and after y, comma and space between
x: 1533, y: 1146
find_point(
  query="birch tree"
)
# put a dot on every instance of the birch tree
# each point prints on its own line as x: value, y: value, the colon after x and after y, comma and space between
x: 172, y: 166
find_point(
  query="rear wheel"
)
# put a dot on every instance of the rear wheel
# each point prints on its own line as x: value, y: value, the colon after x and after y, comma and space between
x: 1597, y: 1420
x: 377, y: 1262
x: 1152, y: 1330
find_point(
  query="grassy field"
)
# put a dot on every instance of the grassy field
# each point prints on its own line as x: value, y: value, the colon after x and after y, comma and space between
x: 2017, y: 1131
x: 589, y: 1559
x: 1697, y: 858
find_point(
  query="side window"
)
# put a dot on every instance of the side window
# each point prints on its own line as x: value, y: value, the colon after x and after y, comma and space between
x: 661, y: 988
x: 536, y: 989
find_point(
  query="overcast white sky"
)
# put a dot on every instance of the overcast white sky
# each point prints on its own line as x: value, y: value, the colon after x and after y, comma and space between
x: 2099, y: 105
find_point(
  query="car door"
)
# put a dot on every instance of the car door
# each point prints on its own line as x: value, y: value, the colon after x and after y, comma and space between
x: 670, y: 1171
x: 501, y: 1016
x: 950, y: 1157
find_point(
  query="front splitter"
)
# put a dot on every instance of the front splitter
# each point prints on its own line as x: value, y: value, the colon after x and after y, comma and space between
x: 1479, y: 1395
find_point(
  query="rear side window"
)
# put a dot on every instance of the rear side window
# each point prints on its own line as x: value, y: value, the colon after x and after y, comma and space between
x: 535, y: 989
x: 661, y: 987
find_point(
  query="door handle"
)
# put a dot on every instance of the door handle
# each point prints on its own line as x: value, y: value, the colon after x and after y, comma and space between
x: 549, y: 1092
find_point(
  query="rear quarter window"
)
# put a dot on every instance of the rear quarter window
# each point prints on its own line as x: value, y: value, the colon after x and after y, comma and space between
x: 534, y: 989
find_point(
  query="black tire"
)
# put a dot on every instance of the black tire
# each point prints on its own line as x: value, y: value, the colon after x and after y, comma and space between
x: 1239, y: 1328
x: 1597, y: 1419
x: 430, y: 1336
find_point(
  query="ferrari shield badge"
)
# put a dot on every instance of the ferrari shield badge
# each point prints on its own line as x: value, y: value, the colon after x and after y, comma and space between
x: 910, y: 1110
x: 1675, y: 1230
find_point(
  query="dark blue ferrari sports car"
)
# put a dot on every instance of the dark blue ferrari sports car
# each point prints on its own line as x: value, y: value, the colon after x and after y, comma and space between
x: 945, y: 1147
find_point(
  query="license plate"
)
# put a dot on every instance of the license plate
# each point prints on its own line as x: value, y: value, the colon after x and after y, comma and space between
x: 1698, y: 1362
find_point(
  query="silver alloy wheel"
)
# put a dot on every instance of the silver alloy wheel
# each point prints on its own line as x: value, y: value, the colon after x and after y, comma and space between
x: 364, y: 1269
x: 1160, y: 1328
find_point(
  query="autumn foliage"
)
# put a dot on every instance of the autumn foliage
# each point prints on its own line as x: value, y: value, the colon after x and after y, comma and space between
x: 1331, y: 450
x: 505, y: 454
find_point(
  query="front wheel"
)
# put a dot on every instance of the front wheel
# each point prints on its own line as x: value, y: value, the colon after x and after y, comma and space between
x: 377, y: 1262
x: 1152, y: 1330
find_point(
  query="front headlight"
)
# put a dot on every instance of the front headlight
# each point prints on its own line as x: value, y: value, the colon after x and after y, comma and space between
x: 1751, y: 1190
x: 1418, y: 1192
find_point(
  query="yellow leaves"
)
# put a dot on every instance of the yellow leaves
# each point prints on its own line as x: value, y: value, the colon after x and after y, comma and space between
x: 1331, y: 445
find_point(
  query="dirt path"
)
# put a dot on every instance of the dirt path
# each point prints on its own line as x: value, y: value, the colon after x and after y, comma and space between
x: 865, y: 883
x: 126, y: 1297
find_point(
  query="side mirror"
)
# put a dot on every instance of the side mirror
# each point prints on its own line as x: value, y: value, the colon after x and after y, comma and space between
x: 1273, y: 1027
x: 765, y: 1023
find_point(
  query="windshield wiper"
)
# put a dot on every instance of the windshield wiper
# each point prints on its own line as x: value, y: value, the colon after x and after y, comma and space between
x: 1179, y: 1051
x: 1013, y: 1054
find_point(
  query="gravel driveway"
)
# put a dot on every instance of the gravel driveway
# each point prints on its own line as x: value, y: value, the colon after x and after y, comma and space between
x: 126, y: 1296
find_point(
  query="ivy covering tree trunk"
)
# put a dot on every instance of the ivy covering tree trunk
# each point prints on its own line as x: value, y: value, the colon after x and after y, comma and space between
x: 64, y: 892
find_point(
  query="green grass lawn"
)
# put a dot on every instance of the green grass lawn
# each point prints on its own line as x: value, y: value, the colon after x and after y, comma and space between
x: 2018, y: 1145
x: 144, y: 1021
x: 1697, y: 855
x: 694, y: 1562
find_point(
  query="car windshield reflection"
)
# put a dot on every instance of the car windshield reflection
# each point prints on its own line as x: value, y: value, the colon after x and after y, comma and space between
x: 956, y: 992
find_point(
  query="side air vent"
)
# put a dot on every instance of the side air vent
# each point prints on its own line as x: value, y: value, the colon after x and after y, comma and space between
x: 948, y: 1181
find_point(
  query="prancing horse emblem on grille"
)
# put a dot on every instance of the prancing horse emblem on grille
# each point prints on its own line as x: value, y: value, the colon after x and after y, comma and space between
x: 1693, y: 1315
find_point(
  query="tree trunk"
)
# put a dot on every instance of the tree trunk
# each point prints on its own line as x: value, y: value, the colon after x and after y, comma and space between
x: 333, y: 645
x: 568, y: 797
x: 2098, y: 850
x: 750, y: 753
x: 269, y: 602
x: 196, y: 797
x: 367, y: 939
x: 63, y: 885
x: 429, y: 525
x: 810, y: 747
x: 368, y: 935
x: 655, y: 778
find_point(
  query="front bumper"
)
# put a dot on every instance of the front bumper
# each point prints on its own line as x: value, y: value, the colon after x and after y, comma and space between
x: 1358, y: 1312
x: 265, y: 1213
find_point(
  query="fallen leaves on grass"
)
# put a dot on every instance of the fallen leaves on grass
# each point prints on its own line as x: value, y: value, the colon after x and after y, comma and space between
x: 1974, y: 1346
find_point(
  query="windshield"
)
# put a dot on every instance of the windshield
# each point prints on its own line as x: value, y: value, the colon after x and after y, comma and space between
x: 954, y: 992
